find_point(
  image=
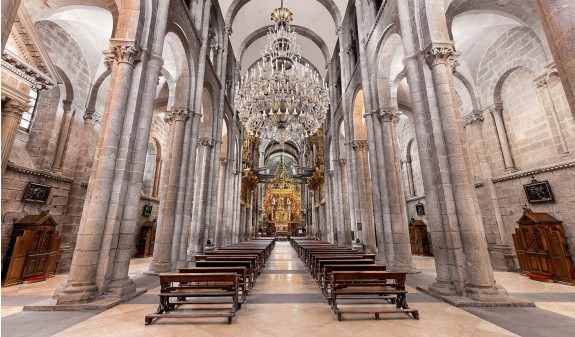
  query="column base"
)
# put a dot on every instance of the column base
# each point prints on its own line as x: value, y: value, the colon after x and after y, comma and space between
x: 161, y: 267
x: 182, y: 264
x: 121, y: 288
x: 474, y: 297
x: 442, y: 288
x: 77, y: 292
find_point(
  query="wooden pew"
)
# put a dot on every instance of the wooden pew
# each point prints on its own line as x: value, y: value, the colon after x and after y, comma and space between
x: 252, y: 258
x: 232, y: 263
x: 315, y: 267
x: 243, y: 278
x: 347, y: 265
x: 205, y: 285
x: 373, y: 285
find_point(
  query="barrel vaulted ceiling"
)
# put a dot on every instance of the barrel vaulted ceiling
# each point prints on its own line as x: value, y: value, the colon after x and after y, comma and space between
x: 315, y: 21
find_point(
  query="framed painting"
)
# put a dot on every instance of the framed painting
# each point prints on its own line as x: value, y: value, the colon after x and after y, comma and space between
x: 538, y: 192
x: 36, y: 192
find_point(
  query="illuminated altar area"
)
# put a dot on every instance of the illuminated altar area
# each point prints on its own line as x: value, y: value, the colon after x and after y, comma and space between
x: 282, y: 201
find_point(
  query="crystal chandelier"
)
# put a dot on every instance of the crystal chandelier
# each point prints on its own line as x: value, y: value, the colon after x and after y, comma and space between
x: 281, y: 99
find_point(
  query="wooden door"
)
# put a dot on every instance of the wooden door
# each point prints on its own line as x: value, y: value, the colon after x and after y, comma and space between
x: 15, y: 260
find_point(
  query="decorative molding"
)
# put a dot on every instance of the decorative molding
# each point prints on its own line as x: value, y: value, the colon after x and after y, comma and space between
x: 472, y: 118
x: 25, y: 71
x: 479, y: 184
x: 148, y: 198
x: 388, y: 115
x: 359, y: 145
x: 122, y: 54
x: 377, y: 19
x: 180, y: 114
x: 416, y: 198
x: 439, y: 53
x: 34, y: 172
x: 528, y: 173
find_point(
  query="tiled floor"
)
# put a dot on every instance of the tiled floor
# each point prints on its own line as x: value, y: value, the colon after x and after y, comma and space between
x: 286, y: 302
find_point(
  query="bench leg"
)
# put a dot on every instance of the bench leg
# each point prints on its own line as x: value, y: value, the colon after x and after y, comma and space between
x: 415, y: 314
x: 148, y: 321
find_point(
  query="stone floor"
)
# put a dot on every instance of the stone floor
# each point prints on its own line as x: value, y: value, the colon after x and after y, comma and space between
x: 286, y: 302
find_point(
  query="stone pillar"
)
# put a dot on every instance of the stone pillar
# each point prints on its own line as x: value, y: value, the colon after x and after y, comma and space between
x: 11, y: 114
x: 409, y: 172
x: 348, y: 226
x: 219, y: 230
x: 200, y: 199
x: 479, y: 281
x: 165, y: 232
x: 62, y: 143
x: 549, y: 106
x: 363, y: 195
x: 401, y: 261
x: 559, y: 26
x: 9, y: 13
x: 81, y: 286
x: 157, y: 176
x: 497, y: 113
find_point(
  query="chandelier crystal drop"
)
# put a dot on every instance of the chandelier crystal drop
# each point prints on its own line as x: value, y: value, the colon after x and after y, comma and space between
x: 281, y: 99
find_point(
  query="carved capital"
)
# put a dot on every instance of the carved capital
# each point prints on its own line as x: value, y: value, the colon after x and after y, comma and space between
x: 439, y: 53
x: 359, y: 145
x: 122, y: 54
x: 205, y: 141
x: 180, y: 114
x: 472, y: 118
x: 67, y: 105
x: 223, y: 161
x: 342, y: 161
x: 14, y: 108
x: 388, y: 115
x: 169, y: 117
x: 496, y: 108
x: 229, y: 30
x: 331, y: 172
x: 89, y: 115
x: 542, y: 83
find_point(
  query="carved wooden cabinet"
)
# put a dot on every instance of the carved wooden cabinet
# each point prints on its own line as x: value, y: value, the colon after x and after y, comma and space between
x: 419, y: 238
x: 542, y: 248
x: 146, y: 240
x: 32, y: 252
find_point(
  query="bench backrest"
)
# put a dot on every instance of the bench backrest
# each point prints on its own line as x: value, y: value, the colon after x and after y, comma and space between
x: 228, y: 278
x: 352, y: 276
x: 330, y: 268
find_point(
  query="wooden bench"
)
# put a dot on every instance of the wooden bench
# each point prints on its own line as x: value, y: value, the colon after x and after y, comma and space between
x: 232, y: 263
x: 370, y: 285
x: 243, y: 278
x: 315, y: 267
x: 220, y: 257
x: 205, y: 285
x: 347, y: 265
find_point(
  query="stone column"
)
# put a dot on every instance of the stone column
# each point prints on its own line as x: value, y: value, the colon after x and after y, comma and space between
x: 479, y: 282
x: 445, y: 262
x: 497, y: 113
x: 62, y: 143
x: 347, y: 225
x: 9, y: 13
x: 559, y: 26
x: 219, y: 232
x: 200, y: 199
x: 409, y: 171
x: 360, y: 149
x: 401, y: 261
x: 81, y: 286
x: 549, y: 106
x: 165, y: 232
x: 157, y: 176
x: 11, y: 114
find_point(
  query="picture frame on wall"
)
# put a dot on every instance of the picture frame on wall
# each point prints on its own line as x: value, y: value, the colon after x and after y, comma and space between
x: 538, y: 192
x: 147, y: 211
x: 419, y: 209
x: 35, y: 192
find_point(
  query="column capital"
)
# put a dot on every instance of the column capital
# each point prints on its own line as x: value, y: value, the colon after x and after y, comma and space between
x: 359, y: 145
x: 14, y: 108
x: 122, y: 54
x: 341, y: 161
x: 496, y: 108
x: 224, y: 161
x: 90, y: 116
x: 180, y: 114
x: 67, y: 105
x: 439, y: 53
x: 228, y: 29
x: 473, y: 117
x: 206, y: 141
x: 388, y: 115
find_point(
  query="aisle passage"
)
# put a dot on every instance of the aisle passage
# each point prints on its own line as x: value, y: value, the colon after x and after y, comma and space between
x: 285, y: 301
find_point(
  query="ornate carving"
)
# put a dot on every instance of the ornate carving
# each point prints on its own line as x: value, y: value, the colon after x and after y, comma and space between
x: 439, y: 54
x: 359, y: 145
x: 122, y: 54
x: 169, y: 118
x: 223, y: 161
x: 206, y: 141
x: 388, y: 115
x: 472, y: 118
x: 342, y: 161
x: 15, y: 108
x: 496, y: 108
x: 180, y: 114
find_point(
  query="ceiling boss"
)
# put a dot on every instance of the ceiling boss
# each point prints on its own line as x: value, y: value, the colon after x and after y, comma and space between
x: 281, y: 99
